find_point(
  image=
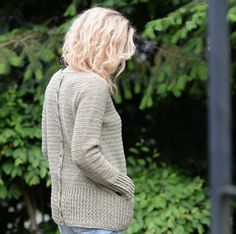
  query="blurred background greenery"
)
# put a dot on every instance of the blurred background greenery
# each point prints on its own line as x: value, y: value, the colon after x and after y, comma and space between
x: 162, y: 103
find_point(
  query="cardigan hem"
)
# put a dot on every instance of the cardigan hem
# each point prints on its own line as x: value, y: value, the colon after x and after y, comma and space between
x: 90, y: 208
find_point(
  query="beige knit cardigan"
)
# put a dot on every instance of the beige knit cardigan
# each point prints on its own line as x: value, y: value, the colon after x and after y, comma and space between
x: 82, y: 141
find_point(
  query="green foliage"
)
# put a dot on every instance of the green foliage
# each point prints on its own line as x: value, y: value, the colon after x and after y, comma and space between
x: 180, y: 62
x: 127, y: 6
x: 181, y: 23
x: 49, y: 227
x: 166, y: 201
x: 20, y: 139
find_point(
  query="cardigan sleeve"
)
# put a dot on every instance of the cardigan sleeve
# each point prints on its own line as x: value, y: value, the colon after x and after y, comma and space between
x: 86, y: 152
x: 44, y: 131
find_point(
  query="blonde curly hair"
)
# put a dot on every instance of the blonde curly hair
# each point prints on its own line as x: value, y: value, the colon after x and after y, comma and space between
x: 99, y: 40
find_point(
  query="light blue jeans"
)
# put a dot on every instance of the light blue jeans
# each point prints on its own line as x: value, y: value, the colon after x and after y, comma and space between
x: 64, y: 229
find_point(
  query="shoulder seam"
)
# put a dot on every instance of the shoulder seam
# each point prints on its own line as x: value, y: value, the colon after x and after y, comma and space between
x: 86, y: 86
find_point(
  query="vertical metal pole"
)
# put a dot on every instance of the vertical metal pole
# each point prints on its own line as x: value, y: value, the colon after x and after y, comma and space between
x: 219, y: 118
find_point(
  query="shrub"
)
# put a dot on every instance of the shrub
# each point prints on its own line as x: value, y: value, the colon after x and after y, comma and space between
x: 166, y: 200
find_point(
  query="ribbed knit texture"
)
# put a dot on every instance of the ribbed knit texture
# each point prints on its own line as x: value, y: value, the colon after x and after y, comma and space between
x: 82, y: 140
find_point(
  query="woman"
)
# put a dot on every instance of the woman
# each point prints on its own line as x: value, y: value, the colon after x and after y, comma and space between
x: 82, y: 131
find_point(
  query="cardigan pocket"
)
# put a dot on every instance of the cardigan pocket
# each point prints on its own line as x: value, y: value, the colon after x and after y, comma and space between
x: 112, y: 192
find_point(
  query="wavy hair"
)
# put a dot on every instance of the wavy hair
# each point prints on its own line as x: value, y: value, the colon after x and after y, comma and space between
x: 99, y: 40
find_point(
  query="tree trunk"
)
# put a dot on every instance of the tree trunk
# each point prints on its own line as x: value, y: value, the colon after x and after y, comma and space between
x: 31, y: 209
